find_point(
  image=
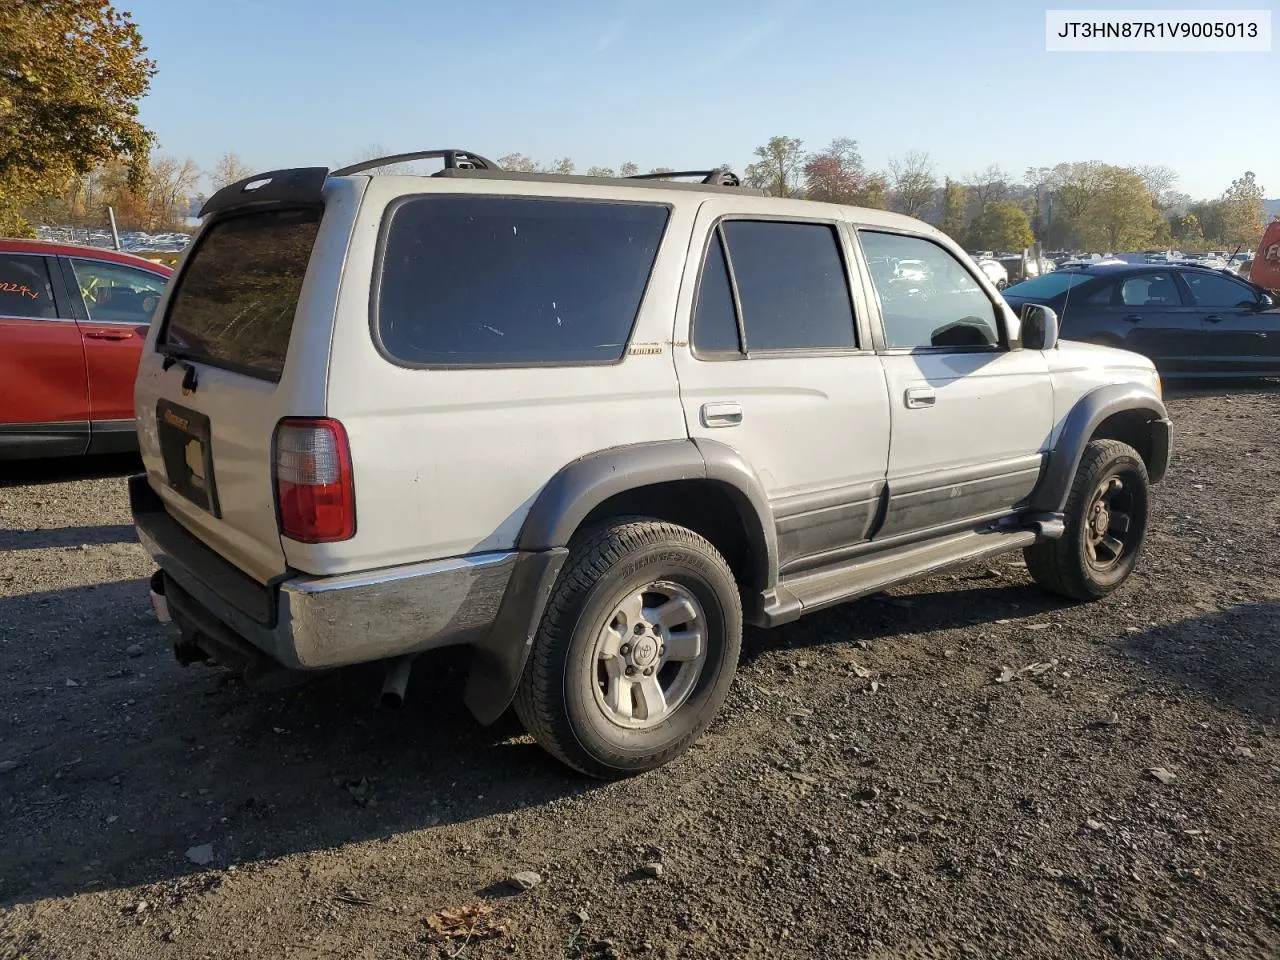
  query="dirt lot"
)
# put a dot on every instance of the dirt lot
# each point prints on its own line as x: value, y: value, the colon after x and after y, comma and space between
x: 871, y: 790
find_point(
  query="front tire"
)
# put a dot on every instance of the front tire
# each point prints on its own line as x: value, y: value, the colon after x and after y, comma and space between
x: 636, y: 650
x: 1106, y: 525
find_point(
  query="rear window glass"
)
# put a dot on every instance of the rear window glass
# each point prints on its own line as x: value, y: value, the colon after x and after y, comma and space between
x: 482, y: 281
x: 24, y: 288
x: 234, y: 303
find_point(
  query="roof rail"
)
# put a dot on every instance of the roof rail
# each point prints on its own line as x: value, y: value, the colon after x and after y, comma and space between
x: 453, y: 160
x: 719, y: 176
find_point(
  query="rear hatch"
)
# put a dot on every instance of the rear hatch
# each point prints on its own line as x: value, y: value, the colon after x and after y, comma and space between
x: 241, y: 323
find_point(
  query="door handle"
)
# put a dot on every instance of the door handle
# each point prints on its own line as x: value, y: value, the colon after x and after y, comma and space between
x: 1214, y: 318
x: 918, y: 397
x: 1132, y: 318
x: 108, y: 334
x: 721, y: 414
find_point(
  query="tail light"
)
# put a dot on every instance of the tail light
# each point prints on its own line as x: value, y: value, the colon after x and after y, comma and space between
x: 315, y: 498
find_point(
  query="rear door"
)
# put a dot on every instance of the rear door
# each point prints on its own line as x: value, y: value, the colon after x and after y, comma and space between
x: 1242, y: 335
x: 44, y: 396
x: 114, y: 308
x: 1150, y: 313
x: 777, y: 368
x: 211, y: 392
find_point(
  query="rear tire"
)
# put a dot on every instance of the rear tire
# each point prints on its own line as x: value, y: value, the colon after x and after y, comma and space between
x: 636, y: 651
x: 1106, y: 525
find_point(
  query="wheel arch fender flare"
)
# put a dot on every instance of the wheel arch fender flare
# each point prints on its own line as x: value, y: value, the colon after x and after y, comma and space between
x: 1079, y: 427
x: 557, y: 512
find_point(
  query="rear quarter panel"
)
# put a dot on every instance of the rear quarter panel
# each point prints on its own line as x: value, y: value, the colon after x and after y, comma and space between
x: 448, y: 462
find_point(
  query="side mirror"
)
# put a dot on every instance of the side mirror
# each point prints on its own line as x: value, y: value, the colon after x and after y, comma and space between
x: 1039, y: 327
x: 1267, y: 302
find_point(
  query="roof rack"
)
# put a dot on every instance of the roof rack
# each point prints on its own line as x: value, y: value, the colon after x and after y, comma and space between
x: 719, y: 177
x: 453, y: 160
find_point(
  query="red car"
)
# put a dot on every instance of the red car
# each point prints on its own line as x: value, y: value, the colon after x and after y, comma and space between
x: 72, y: 323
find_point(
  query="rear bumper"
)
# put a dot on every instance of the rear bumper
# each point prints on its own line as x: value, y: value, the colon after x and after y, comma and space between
x: 308, y: 623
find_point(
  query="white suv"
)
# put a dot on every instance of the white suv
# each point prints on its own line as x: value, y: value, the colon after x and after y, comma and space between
x: 587, y: 427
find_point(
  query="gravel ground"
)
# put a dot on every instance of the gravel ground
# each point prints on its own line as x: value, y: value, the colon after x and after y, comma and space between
x: 872, y: 789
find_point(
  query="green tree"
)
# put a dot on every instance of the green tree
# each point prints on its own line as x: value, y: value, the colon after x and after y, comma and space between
x: 954, y: 200
x: 1121, y: 215
x: 71, y: 75
x: 1242, y: 212
x: 777, y: 167
x: 1001, y: 226
x: 874, y: 193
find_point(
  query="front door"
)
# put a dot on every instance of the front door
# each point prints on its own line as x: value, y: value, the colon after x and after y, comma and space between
x: 778, y: 366
x: 971, y: 418
x: 44, y: 396
x: 1242, y: 333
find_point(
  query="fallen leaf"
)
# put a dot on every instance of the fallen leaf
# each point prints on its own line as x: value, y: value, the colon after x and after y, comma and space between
x: 474, y: 921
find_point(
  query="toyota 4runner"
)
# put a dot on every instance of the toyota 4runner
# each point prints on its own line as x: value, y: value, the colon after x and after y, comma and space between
x: 588, y: 427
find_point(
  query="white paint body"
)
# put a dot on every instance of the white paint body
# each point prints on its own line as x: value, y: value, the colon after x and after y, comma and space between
x: 448, y: 462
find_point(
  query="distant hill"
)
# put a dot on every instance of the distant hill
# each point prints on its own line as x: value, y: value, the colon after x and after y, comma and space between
x: 1270, y: 208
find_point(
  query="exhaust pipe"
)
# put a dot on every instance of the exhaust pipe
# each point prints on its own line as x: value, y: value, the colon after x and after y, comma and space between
x: 395, y: 682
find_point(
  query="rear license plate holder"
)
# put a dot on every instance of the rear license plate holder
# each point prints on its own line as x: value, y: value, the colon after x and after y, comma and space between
x: 188, y: 454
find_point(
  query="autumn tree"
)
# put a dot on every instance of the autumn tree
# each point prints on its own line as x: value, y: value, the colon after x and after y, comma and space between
x: 517, y: 163
x: 954, y: 201
x: 778, y: 166
x: 230, y: 169
x: 628, y: 169
x: 1188, y: 232
x: 1241, y: 212
x: 913, y: 182
x: 1121, y: 214
x: 600, y: 172
x: 836, y: 175
x: 71, y: 75
x: 1001, y: 226
x: 170, y: 183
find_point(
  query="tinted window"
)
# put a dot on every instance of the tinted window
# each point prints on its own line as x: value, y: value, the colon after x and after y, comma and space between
x: 1049, y: 285
x: 235, y: 300
x: 1103, y: 296
x: 715, y: 321
x: 791, y: 284
x: 117, y: 294
x: 498, y: 280
x: 927, y: 297
x: 1150, y: 290
x: 1210, y: 290
x: 25, y: 289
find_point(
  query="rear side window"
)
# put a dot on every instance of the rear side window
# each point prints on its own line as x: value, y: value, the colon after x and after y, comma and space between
x: 234, y: 303
x: 489, y: 281
x: 1211, y: 290
x: 24, y: 288
x: 791, y: 284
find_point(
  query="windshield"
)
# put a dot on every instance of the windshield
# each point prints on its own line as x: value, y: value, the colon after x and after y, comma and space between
x: 1049, y: 285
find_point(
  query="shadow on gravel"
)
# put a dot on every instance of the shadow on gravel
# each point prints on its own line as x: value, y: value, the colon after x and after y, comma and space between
x: 1231, y: 656
x: 65, y: 469
x: 66, y: 537
x: 113, y: 766
x: 1177, y: 389
x: 971, y: 603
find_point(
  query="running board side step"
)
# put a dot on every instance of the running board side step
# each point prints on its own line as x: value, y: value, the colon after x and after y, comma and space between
x: 819, y: 589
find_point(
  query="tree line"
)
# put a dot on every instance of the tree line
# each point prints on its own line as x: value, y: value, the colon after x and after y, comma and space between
x: 73, y: 71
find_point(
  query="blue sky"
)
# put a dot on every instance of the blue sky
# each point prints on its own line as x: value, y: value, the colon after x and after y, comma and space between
x: 685, y: 84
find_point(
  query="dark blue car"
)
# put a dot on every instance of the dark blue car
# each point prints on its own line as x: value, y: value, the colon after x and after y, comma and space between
x: 1191, y: 321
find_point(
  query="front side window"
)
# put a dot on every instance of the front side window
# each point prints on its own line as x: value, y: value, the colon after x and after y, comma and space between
x: 1153, y: 290
x: 117, y: 294
x: 927, y: 297
x: 1210, y: 290
x: 791, y: 285
x: 25, y: 291
x: 485, y: 281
